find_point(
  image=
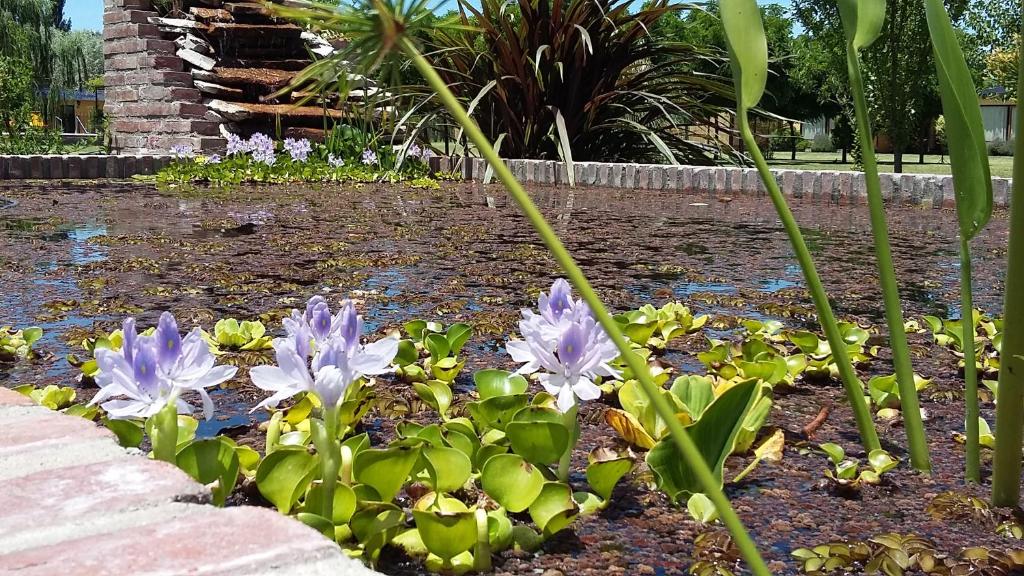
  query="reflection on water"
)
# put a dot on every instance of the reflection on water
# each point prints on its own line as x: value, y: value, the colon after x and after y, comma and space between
x: 463, y: 253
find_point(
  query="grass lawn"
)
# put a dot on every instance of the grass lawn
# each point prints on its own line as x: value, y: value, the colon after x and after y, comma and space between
x: 1001, y: 166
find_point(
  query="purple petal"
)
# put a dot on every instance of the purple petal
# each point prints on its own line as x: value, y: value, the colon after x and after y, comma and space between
x: 129, y: 334
x: 144, y: 367
x: 168, y: 340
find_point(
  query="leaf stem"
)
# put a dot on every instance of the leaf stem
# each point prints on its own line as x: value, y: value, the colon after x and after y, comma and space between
x: 165, y: 432
x: 973, y: 447
x: 1006, y: 465
x: 681, y: 439
x: 326, y: 440
x: 573, y: 424
x: 916, y: 439
x: 852, y: 384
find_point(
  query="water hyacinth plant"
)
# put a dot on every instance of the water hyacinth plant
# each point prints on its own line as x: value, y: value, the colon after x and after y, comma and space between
x: 146, y: 377
x: 381, y: 30
x: 322, y: 354
x: 566, y: 343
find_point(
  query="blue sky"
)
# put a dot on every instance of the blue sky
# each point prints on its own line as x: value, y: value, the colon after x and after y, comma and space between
x: 88, y: 14
x: 85, y: 14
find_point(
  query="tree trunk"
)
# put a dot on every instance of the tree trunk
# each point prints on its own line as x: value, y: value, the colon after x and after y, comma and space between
x: 792, y: 139
x: 844, y: 154
x: 897, y: 158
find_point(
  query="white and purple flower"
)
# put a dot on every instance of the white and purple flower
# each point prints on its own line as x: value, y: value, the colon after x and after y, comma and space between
x: 298, y: 149
x: 369, y: 157
x: 335, y: 161
x: 262, y: 148
x: 566, y: 342
x: 237, y: 145
x: 338, y: 357
x: 181, y: 151
x: 149, y: 372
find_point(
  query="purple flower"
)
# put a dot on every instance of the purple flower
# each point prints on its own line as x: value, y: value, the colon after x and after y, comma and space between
x: 213, y: 159
x: 369, y: 157
x: 182, y: 151
x: 236, y: 145
x: 338, y: 358
x: 262, y: 148
x: 298, y: 149
x: 566, y: 342
x: 335, y: 161
x: 150, y: 372
x: 414, y: 151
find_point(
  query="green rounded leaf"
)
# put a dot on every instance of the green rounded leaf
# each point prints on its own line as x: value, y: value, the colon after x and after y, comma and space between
x: 375, y: 525
x: 407, y: 353
x: 129, y: 432
x: 211, y: 460
x: 497, y: 411
x: 538, y: 442
x: 604, y: 475
x: 436, y: 393
x: 385, y: 469
x: 491, y: 383
x: 449, y: 468
x: 284, y: 475
x: 446, y: 534
x: 701, y: 508
x: 345, y: 501
x: 511, y: 481
x: 554, y: 508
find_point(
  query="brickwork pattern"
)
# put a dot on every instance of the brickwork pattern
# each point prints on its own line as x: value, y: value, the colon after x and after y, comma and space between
x: 151, y: 100
x: 73, y: 502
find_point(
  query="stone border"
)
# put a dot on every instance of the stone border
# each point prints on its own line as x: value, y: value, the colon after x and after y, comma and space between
x: 71, y: 167
x: 826, y: 186
x: 74, y: 502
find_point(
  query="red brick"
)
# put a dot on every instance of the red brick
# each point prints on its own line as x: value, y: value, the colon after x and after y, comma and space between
x: 172, y: 63
x: 38, y: 429
x: 210, y: 540
x: 77, y: 492
x: 9, y: 397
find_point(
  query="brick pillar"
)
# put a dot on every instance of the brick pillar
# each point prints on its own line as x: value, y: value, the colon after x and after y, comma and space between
x: 150, y: 100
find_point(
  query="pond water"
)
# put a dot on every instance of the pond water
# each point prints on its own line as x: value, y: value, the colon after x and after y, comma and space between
x: 78, y: 258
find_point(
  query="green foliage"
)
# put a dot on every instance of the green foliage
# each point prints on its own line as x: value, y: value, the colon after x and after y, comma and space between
x: 429, y: 359
x: 650, y: 327
x: 582, y: 81
x: 1000, y: 147
x: 212, y: 461
x: 17, y: 345
x: 822, y: 143
x: 988, y: 339
x: 230, y: 334
x: 714, y: 432
x: 848, y: 474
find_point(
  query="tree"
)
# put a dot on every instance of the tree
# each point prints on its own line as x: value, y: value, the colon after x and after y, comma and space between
x: 59, y: 21
x: 701, y: 28
x: 994, y: 23
x: 898, y: 67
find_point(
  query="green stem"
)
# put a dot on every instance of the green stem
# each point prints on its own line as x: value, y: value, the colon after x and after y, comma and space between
x: 482, y: 551
x: 852, y: 384
x: 573, y: 424
x: 973, y: 472
x: 273, y: 431
x: 326, y: 439
x: 1006, y: 463
x: 683, y: 442
x: 346, y: 465
x: 750, y: 468
x: 917, y: 441
x: 164, y: 433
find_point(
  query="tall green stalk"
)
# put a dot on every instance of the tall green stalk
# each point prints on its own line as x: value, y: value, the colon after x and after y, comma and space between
x: 916, y: 439
x: 325, y: 437
x: 164, y: 432
x: 851, y: 383
x: 1006, y: 466
x: 681, y: 439
x: 973, y: 446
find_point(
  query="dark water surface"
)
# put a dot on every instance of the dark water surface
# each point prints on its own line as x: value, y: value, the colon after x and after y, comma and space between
x: 77, y: 258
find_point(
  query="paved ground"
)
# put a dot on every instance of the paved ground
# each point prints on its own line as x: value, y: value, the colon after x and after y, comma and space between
x: 74, y: 502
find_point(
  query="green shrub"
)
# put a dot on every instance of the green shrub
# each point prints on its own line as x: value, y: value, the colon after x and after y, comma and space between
x: 822, y: 143
x: 1000, y: 147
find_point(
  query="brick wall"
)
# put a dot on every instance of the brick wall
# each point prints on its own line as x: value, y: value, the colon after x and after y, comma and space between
x: 150, y: 99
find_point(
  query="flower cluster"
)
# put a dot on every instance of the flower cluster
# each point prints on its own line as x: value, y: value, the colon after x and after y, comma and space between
x: 298, y: 149
x: 262, y: 147
x: 322, y: 354
x: 236, y: 145
x: 565, y: 340
x: 149, y: 372
x: 182, y: 151
x: 335, y: 161
x: 369, y: 157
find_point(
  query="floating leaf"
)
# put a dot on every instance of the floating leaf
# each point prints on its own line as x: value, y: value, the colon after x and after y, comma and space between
x: 385, y: 469
x: 284, y: 475
x: 211, y: 460
x: 511, y: 481
x: 701, y: 508
x: 554, y: 508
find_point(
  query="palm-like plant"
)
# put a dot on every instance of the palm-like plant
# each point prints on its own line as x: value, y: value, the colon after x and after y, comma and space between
x: 580, y: 79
